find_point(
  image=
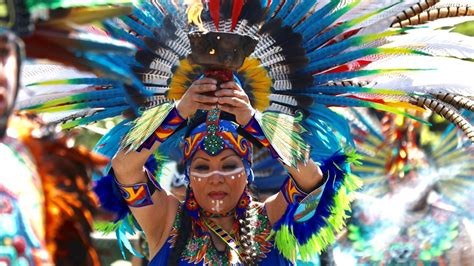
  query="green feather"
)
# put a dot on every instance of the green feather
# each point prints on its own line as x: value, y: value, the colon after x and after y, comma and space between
x: 145, y: 125
x: 285, y: 134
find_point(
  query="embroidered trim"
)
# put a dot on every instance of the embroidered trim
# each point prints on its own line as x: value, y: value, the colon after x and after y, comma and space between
x: 217, y: 215
x: 292, y: 193
x: 139, y: 195
x: 165, y: 130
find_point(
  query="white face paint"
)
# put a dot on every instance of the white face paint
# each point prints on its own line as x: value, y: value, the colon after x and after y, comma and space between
x: 222, y: 173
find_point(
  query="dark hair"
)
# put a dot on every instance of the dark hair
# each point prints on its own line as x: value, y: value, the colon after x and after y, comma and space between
x: 247, y: 235
x: 184, y: 232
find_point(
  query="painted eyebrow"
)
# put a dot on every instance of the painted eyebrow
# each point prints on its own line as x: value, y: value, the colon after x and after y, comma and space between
x: 202, y: 158
x: 231, y: 155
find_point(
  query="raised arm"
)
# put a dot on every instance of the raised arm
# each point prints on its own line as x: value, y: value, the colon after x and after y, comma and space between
x: 155, y: 211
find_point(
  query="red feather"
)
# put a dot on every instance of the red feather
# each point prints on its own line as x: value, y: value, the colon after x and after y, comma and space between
x: 351, y: 66
x: 236, y: 9
x: 214, y: 8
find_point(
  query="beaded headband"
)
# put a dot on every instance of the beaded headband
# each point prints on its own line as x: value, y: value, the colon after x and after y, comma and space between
x: 215, y: 138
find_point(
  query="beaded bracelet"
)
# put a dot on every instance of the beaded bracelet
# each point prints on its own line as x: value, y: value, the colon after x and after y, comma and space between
x: 291, y: 191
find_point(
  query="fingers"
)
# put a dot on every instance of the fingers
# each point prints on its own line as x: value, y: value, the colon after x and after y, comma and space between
x: 205, y: 81
x: 203, y: 88
x: 232, y: 101
x: 230, y: 85
x: 233, y: 93
x: 201, y: 98
x: 227, y: 108
x: 202, y: 106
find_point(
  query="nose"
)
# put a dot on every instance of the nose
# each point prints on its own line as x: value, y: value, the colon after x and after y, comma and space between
x: 216, y: 178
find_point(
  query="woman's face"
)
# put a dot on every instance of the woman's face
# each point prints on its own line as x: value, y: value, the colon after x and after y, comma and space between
x: 217, y: 181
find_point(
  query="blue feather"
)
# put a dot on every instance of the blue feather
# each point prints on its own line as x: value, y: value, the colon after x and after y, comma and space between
x: 145, y: 17
x: 121, y: 34
x: 334, y: 120
x: 273, y: 7
x: 322, y: 64
x: 298, y: 12
x: 283, y: 12
x: 169, y: 7
x: 332, y: 90
x: 325, y: 22
x: 321, y: 137
x: 109, y: 196
x: 152, y: 165
x: 328, y: 35
x: 109, y: 144
x: 100, y: 94
x: 112, y: 70
x: 123, y: 241
x: 137, y: 27
x: 330, y: 100
x: 155, y: 13
x: 317, y: 16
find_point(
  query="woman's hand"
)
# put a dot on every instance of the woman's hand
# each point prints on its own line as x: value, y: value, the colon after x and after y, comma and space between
x: 233, y: 99
x: 197, y: 97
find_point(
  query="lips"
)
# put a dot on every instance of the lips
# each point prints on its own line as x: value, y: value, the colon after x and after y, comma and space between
x: 217, y: 195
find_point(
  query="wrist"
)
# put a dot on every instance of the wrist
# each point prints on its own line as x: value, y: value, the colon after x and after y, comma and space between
x: 181, y: 111
x: 244, y: 119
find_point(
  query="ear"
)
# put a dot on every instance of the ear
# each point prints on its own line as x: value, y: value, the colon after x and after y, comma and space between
x: 248, y: 44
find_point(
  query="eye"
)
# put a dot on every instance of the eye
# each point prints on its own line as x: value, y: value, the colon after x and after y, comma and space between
x: 228, y: 167
x: 201, y: 167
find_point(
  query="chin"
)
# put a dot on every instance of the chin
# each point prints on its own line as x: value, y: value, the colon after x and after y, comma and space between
x: 219, y: 208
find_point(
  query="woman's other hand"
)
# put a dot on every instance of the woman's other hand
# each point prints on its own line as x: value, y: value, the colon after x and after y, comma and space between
x: 199, y: 96
x: 233, y: 99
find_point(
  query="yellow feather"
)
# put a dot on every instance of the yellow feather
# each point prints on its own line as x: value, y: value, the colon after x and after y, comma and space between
x: 182, y: 79
x: 258, y: 79
x: 405, y: 106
